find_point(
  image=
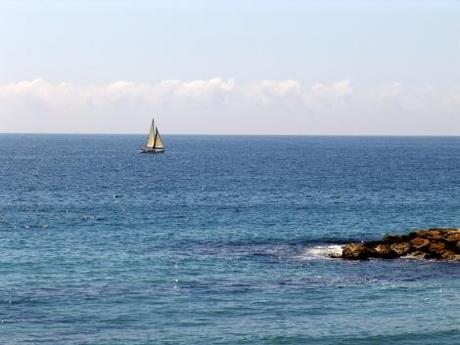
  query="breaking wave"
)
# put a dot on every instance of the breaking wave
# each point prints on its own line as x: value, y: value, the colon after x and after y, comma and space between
x: 326, y: 251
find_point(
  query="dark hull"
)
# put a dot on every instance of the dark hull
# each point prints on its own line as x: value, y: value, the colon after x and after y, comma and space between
x: 150, y: 150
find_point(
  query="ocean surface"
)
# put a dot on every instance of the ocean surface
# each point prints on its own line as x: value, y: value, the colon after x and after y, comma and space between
x: 223, y: 240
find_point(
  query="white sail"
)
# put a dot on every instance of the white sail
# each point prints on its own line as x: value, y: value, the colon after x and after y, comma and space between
x: 153, y: 143
x: 151, y: 138
x: 158, y: 142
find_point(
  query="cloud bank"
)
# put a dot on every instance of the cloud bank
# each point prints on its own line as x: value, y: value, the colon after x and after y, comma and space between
x: 223, y: 106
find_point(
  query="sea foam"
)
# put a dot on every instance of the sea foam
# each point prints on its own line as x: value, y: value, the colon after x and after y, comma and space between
x: 325, y: 251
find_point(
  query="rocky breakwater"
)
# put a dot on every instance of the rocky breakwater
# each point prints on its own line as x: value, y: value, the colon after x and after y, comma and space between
x: 440, y: 244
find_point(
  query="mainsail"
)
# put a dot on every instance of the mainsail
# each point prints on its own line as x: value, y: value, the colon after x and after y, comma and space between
x: 151, y: 138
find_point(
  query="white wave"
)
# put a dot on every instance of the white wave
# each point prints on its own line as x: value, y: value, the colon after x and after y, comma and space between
x: 326, y: 251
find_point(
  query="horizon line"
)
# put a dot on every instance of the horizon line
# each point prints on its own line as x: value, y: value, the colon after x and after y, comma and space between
x: 241, y: 134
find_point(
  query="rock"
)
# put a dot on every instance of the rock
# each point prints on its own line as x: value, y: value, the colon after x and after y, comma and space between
x: 383, y: 251
x: 436, y: 243
x: 355, y: 251
x: 452, y: 236
x: 419, y: 242
x: 437, y: 249
x: 418, y: 254
x: 455, y: 257
x: 450, y: 255
x: 401, y: 248
x: 432, y: 234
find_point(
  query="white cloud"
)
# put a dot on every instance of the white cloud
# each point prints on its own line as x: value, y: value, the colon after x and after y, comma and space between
x: 334, y: 95
x: 340, y: 88
x: 60, y: 94
x: 319, y: 95
x: 268, y: 91
x: 222, y: 105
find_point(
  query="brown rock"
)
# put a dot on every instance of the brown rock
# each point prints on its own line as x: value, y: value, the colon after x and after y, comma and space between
x: 355, y: 251
x: 455, y: 257
x: 383, y: 251
x: 436, y: 248
x: 452, y: 236
x: 401, y: 249
x: 443, y: 244
x: 419, y: 242
x: 450, y: 255
x: 421, y: 233
x: 432, y: 234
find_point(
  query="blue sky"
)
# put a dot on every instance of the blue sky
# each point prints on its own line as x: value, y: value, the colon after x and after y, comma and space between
x: 391, y: 57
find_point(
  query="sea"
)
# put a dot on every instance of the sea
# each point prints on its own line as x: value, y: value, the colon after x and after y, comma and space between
x: 223, y: 240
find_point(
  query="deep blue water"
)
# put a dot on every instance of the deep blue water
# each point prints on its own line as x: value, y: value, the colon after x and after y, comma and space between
x: 222, y: 240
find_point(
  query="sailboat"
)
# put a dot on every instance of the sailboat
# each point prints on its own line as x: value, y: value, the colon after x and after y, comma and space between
x: 153, y: 144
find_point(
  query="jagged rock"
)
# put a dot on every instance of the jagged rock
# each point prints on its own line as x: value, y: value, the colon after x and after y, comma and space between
x: 355, y: 251
x: 401, y: 248
x: 432, y: 234
x: 383, y: 251
x: 443, y: 244
x: 419, y: 242
x: 450, y: 255
x: 452, y: 236
x: 437, y: 248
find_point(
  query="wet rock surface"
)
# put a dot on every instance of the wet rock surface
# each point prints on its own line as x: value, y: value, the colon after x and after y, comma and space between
x: 440, y: 244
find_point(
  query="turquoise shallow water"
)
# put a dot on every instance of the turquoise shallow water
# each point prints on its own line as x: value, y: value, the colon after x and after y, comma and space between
x: 223, y: 240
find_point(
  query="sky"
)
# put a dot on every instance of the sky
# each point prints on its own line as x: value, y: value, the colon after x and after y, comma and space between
x: 231, y: 67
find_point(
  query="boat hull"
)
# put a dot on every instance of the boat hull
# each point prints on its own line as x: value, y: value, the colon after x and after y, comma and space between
x: 151, y: 150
